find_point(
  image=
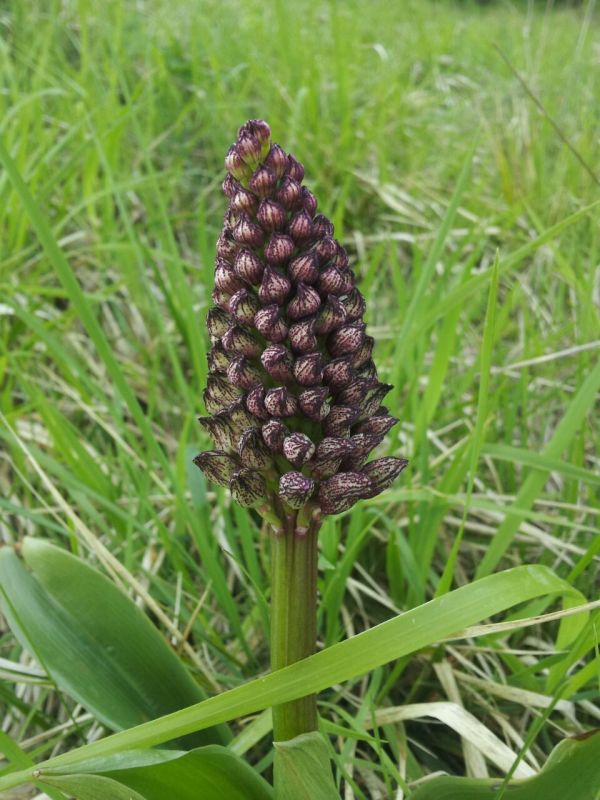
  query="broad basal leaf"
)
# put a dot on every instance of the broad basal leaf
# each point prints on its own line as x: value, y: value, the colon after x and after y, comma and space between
x: 572, y: 772
x: 208, y: 773
x: 92, y: 639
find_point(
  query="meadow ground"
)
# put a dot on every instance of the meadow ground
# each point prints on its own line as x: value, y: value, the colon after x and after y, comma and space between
x: 432, y: 158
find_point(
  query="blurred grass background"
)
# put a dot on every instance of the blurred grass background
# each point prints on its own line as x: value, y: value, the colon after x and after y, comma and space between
x: 431, y: 157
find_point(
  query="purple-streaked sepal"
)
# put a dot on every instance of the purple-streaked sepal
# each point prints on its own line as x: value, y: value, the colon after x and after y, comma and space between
x: 308, y: 370
x: 240, y: 342
x: 315, y: 403
x: 302, y: 336
x: 281, y: 402
x: 382, y: 472
x: 278, y: 362
x: 341, y: 491
x: 346, y: 339
x: 244, y: 305
x: 252, y: 450
x: 248, y: 487
x: 296, y: 489
x: 243, y: 374
x: 218, y: 466
x: 298, y: 448
x: 273, y: 433
x: 275, y: 287
x: 279, y: 249
x: 305, y: 303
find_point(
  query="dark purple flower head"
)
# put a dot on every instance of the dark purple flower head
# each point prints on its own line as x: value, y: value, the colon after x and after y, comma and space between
x: 293, y: 398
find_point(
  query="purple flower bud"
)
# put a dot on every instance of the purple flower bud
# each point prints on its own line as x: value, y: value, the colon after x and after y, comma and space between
x: 346, y: 339
x: 308, y: 370
x: 300, y: 227
x: 218, y: 466
x: 302, y: 336
x: 289, y: 193
x: 309, y: 201
x: 314, y: 403
x: 255, y: 402
x: 244, y: 305
x: 304, y: 268
x: 323, y: 468
x: 276, y: 160
x: 248, y: 148
x: 273, y: 433
x: 368, y: 370
x: 338, y: 373
x: 225, y: 278
x: 262, y: 182
x: 252, y: 450
x: 355, y: 306
x: 354, y: 392
x: 341, y: 258
x: 278, y: 362
x: 362, y: 444
x: 248, y: 232
x: 248, y: 487
x: 279, y: 248
x: 326, y: 249
x: 332, y: 281
x: 323, y: 226
x: 221, y: 298
x: 219, y: 430
x: 262, y: 131
x: 248, y: 267
x: 372, y: 402
x: 217, y: 322
x: 217, y: 358
x: 230, y: 186
x: 242, y: 374
x: 226, y: 247
x: 363, y: 355
x: 306, y: 302
x: 296, y: 489
x: 274, y: 287
x: 298, y: 448
x: 383, y: 472
x: 218, y: 394
x: 378, y: 425
x: 339, y: 420
x: 269, y: 324
x: 295, y: 169
x: 341, y: 492
x: 235, y: 164
x: 280, y: 402
x: 244, y: 201
x: 239, y: 342
x: 331, y: 316
x: 333, y: 447
x: 271, y: 215
x: 238, y: 416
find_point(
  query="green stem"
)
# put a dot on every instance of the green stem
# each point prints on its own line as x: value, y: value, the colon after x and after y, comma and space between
x: 293, y: 620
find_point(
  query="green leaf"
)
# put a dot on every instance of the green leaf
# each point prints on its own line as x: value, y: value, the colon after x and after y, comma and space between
x: 572, y: 772
x: 303, y: 769
x: 441, y: 618
x: 66, y: 613
x: 210, y: 773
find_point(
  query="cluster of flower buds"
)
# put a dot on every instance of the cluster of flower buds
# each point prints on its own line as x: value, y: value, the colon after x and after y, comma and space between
x: 294, y: 402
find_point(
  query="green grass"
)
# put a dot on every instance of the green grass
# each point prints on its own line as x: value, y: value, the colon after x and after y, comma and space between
x: 431, y: 158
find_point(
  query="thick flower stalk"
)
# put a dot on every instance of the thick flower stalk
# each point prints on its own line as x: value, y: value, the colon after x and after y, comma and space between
x: 294, y: 401
x: 295, y: 407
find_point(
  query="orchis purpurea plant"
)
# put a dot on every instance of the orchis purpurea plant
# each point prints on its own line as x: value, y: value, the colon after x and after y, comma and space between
x: 294, y: 401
